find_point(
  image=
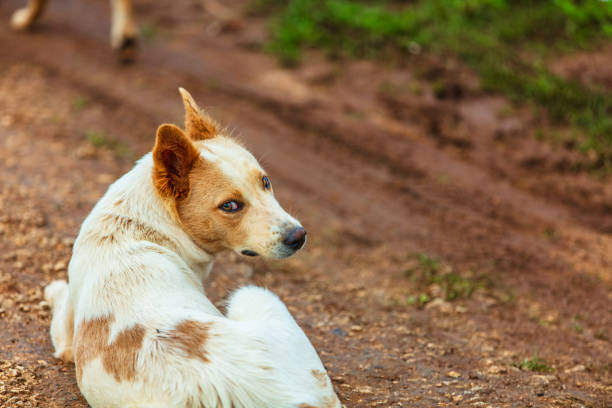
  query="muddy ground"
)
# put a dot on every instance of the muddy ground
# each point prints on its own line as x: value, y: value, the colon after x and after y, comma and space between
x: 379, y: 165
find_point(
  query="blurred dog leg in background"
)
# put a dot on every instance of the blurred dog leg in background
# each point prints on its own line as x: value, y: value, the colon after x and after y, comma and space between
x: 124, y: 32
x: 123, y: 28
x: 25, y: 17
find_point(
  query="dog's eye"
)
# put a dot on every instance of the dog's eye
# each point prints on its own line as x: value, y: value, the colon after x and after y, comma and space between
x: 266, y: 182
x: 231, y: 206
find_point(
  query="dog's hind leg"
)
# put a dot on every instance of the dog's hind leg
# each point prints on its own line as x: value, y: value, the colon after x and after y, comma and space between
x: 57, y: 294
x: 25, y: 17
x: 123, y: 29
x: 255, y: 303
x: 289, y: 347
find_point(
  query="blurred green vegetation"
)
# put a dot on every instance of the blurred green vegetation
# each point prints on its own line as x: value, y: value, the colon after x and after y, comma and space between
x: 536, y: 364
x: 451, y: 285
x: 505, y: 41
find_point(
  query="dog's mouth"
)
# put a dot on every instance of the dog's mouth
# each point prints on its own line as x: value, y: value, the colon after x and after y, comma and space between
x: 248, y: 252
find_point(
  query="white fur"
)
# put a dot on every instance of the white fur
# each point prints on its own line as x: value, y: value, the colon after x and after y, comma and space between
x: 258, y: 356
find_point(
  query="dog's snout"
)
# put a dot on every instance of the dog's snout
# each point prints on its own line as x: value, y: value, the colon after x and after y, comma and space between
x: 295, y: 238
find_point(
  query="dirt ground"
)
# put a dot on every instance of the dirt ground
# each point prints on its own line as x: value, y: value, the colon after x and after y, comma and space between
x: 378, y: 164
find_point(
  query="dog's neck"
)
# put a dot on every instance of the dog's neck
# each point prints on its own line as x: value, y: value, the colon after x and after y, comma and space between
x: 140, y: 201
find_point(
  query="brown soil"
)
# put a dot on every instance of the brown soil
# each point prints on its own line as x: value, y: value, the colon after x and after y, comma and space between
x: 377, y: 163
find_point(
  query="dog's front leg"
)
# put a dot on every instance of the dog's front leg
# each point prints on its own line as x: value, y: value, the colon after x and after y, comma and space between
x: 123, y: 29
x: 25, y: 17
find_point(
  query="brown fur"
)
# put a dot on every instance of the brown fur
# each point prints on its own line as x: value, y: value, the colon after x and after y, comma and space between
x: 189, y: 336
x: 328, y: 402
x: 173, y: 155
x: 137, y: 230
x: 321, y: 377
x: 118, y: 357
x: 117, y: 226
x: 197, y: 125
x: 212, y: 229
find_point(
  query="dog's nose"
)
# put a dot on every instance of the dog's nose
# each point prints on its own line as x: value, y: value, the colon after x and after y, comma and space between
x: 295, y: 238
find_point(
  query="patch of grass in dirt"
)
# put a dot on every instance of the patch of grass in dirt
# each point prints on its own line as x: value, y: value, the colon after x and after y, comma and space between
x: 601, y: 335
x: 102, y: 140
x: 534, y: 363
x: 436, y: 279
x: 148, y: 31
x: 79, y: 102
x: 505, y: 42
x: 577, y: 326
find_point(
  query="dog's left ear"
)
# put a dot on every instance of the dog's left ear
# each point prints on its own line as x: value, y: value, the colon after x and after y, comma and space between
x: 198, y: 125
x: 173, y: 158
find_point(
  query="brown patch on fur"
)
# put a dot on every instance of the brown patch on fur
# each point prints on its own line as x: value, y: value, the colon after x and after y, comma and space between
x: 89, y: 340
x: 212, y: 229
x: 328, y: 402
x: 320, y: 376
x: 189, y: 336
x: 107, y: 239
x: 117, y: 225
x: 197, y: 125
x: 118, y: 357
x: 118, y: 202
x: 173, y: 156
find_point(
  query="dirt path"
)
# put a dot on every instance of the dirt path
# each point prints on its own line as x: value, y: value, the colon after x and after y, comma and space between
x: 377, y: 174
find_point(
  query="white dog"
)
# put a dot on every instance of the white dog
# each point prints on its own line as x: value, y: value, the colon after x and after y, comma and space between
x: 134, y: 316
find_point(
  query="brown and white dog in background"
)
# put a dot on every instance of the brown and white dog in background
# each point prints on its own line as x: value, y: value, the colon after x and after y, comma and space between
x: 124, y: 31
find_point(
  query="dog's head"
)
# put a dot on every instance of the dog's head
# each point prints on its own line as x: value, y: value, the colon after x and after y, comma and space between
x: 222, y: 196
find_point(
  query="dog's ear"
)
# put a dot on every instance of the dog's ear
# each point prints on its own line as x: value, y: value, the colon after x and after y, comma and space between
x: 173, y: 158
x: 197, y: 124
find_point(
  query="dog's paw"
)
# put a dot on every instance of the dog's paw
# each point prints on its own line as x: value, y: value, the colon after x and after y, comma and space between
x: 55, y: 291
x: 127, y: 49
x: 22, y: 19
x: 64, y: 353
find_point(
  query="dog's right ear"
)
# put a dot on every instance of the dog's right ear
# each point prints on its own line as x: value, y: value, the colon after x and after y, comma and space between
x: 173, y: 158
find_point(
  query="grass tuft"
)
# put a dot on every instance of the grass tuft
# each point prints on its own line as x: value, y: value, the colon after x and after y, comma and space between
x: 451, y: 285
x: 80, y: 102
x: 536, y: 364
x: 102, y: 140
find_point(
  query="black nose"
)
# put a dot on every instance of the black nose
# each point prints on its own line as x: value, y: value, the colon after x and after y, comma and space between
x: 295, y: 238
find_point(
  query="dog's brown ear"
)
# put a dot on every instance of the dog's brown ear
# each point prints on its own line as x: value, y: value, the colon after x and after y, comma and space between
x: 197, y: 124
x: 173, y: 158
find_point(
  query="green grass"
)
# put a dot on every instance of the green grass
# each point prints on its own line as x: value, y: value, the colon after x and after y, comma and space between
x: 505, y: 42
x: 429, y: 271
x: 102, y: 140
x: 149, y: 31
x: 79, y: 102
x: 535, y: 363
